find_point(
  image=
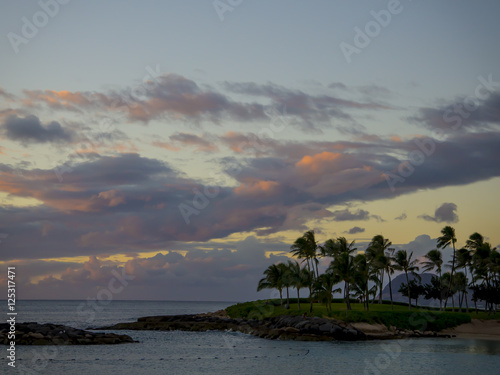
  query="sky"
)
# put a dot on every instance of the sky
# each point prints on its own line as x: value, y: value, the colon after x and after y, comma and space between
x: 181, y: 147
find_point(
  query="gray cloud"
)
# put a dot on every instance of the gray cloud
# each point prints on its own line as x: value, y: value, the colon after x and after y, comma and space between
x: 401, y: 217
x: 462, y: 115
x: 215, y: 271
x: 355, y: 230
x: 30, y: 130
x: 346, y: 215
x: 313, y: 110
x: 446, y: 213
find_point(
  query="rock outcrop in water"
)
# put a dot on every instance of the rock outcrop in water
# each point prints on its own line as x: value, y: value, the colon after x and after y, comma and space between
x: 281, y: 327
x: 55, y: 334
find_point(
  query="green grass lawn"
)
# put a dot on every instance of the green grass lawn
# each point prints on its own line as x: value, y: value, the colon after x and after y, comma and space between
x: 420, y: 318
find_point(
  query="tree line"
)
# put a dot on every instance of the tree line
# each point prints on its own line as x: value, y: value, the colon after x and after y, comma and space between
x: 474, y: 267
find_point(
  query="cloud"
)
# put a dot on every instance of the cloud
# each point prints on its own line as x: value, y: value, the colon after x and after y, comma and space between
x: 346, y: 215
x: 401, y: 217
x: 313, y: 111
x: 200, y: 143
x: 462, y: 115
x: 169, y: 96
x: 4, y: 94
x: 445, y: 213
x: 30, y: 130
x: 374, y: 90
x: 130, y: 203
x: 337, y: 85
x: 174, y: 97
x: 355, y: 230
x: 207, y: 271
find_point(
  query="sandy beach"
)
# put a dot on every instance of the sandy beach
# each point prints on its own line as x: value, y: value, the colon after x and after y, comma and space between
x: 477, y: 329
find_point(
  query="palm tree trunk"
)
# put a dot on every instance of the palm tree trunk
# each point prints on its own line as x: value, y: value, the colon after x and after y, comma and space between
x: 451, y: 281
x: 474, y: 286
x: 310, y: 299
x: 287, y: 298
x: 409, y: 296
x: 367, y: 296
x: 466, y: 287
x: 310, y: 285
x: 440, y: 292
x: 390, y: 289
x: 317, y: 271
x: 298, y: 297
x: 381, y: 286
x: 281, y: 298
x: 347, y: 295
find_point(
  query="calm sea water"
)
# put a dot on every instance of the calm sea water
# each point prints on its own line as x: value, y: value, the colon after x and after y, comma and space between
x: 231, y: 353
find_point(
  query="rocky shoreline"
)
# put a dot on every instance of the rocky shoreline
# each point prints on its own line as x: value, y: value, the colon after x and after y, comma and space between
x: 281, y: 328
x: 55, y: 334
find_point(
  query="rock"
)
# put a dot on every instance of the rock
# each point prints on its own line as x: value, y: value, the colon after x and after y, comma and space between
x: 283, y: 327
x: 327, y: 327
x: 52, y: 334
x: 35, y: 335
x: 301, y: 324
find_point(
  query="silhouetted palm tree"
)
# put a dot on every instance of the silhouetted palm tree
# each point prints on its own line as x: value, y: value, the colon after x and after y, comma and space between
x: 460, y: 284
x: 464, y: 260
x: 377, y: 257
x: 325, y: 287
x: 305, y: 247
x: 273, y: 280
x: 404, y: 263
x: 343, y: 265
x: 363, y: 274
x: 448, y: 238
x: 287, y: 280
x: 299, y: 278
x: 434, y: 260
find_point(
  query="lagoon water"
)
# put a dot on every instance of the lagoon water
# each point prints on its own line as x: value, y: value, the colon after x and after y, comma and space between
x: 231, y: 353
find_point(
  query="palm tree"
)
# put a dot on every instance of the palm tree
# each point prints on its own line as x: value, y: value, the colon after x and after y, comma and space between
x: 305, y: 247
x: 475, y: 240
x: 287, y: 280
x: 464, y: 260
x: 460, y: 284
x: 363, y: 274
x: 325, y: 285
x: 273, y: 280
x: 448, y: 238
x: 343, y: 265
x: 329, y: 248
x: 404, y: 263
x: 389, y: 269
x: 434, y: 259
x: 377, y: 257
x: 486, y: 266
x: 299, y: 278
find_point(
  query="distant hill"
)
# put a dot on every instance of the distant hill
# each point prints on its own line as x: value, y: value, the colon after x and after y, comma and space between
x: 396, y: 284
x: 426, y: 279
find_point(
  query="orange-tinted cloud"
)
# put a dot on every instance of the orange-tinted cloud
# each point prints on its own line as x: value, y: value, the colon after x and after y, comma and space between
x: 318, y: 162
x: 255, y: 187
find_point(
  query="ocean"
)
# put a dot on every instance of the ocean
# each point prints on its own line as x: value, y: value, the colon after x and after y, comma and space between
x: 229, y: 352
